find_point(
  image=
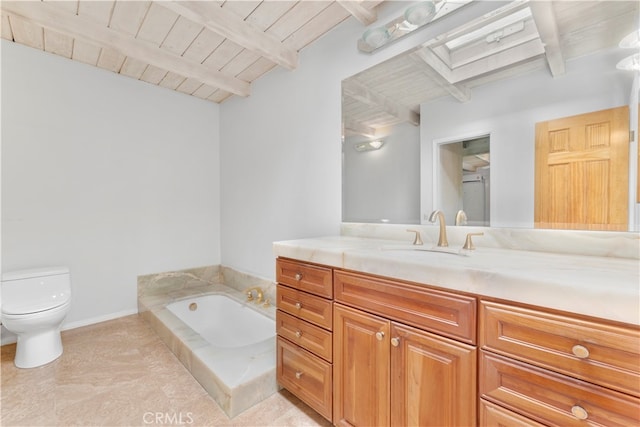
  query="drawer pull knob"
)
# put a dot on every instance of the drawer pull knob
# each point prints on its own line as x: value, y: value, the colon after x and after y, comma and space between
x: 379, y: 336
x: 579, y: 412
x: 395, y: 341
x: 298, y: 305
x: 298, y: 334
x: 298, y: 375
x: 580, y: 351
x: 298, y: 276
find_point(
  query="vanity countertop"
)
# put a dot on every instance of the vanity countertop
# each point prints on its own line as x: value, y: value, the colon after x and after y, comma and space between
x: 603, y: 287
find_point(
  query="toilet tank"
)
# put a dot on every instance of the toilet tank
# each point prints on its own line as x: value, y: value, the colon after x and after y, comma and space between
x: 30, y: 291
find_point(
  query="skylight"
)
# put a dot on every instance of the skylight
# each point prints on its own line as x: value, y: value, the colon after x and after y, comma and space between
x: 501, y: 24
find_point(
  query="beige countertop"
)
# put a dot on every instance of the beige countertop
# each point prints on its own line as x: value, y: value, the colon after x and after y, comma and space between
x: 604, y: 287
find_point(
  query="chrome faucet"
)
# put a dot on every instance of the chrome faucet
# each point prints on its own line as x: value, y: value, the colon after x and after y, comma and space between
x: 259, y: 294
x: 442, y: 239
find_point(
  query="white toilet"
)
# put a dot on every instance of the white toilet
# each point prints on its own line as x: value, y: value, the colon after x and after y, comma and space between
x: 34, y: 304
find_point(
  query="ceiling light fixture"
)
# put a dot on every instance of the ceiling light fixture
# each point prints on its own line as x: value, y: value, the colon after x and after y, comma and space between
x: 376, y: 37
x: 420, y: 14
x: 631, y: 41
x: 369, y: 145
x: 630, y: 63
x: 413, y: 18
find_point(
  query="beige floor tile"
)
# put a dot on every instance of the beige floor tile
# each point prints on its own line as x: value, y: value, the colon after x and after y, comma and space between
x: 119, y: 373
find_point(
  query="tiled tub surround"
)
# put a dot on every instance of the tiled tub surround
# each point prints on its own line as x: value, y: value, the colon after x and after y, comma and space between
x: 601, y: 286
x: 182, y: 282
x: 237, y: 378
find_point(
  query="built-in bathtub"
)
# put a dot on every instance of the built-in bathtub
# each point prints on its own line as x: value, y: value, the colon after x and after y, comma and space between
x: 223, y: 321
x: 227, y: 343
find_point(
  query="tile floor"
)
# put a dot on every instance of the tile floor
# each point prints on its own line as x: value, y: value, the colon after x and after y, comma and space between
x: 119, y: 373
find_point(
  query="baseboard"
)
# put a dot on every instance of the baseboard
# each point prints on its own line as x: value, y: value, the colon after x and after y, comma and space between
x: 10, y: 338
x: 98, y: 319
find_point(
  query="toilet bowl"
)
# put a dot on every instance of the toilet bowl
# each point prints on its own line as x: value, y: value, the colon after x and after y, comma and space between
x: 33, y: 306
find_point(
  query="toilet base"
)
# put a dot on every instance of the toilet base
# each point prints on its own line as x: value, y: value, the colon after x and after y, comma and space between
x: 38, y: 348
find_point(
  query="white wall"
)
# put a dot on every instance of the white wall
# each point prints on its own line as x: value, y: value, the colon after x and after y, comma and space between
x: 280, y: 146
x: 385, y: 183
x: 508, y: 110
x: 108, y: 175
x: 116, y: 178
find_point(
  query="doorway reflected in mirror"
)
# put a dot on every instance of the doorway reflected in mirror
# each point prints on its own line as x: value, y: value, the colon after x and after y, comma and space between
x: 464, y: 181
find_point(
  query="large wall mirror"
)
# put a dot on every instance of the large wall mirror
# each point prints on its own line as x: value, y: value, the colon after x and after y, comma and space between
x: 451, y: 124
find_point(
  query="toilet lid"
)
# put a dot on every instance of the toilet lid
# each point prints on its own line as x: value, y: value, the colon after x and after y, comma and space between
x: 32, y: 304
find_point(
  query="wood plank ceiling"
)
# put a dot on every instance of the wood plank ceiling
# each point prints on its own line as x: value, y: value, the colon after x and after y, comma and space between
x: 515, y: 39
x: 209, y: 49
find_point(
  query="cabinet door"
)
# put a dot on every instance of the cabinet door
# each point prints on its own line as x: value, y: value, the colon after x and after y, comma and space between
x: 433, y: 379
x: 496, y: 416
x: 361, y: 368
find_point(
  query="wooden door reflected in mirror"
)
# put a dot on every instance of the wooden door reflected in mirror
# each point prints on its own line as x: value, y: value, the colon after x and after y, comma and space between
x: 581, y: 171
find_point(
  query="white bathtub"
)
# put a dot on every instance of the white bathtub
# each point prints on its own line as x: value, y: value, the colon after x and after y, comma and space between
x: 228, y: 346
x: 224, y: 322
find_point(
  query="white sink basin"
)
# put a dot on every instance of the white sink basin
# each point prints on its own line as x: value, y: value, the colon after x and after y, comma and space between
x: 423, y: 248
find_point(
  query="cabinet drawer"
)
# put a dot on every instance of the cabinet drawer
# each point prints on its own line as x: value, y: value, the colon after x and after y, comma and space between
x: 596, y: 352
x: 305, y: 306
x: 305, y: 375
x: 306, y: 277
x: 436, y: 311
x: 310, y: 337
x: 552, y: 398
x: 496, y: 416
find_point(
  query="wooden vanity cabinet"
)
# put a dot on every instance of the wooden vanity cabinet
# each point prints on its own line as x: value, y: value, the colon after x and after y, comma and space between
x: 304, y: 324
x: 389, y: 373
x: 364, y: 350
x: 556, y: 369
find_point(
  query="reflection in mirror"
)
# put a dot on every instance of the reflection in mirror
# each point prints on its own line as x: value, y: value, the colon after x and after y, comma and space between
x: 498, y: 74
x: 464, y: 181
x: 582, y: 171
x: 382, y: 184
x: 590, y: 85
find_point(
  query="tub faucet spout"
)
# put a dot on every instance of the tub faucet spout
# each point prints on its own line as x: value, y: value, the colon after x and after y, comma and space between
x: 259, y: 294
x: 438, y: 215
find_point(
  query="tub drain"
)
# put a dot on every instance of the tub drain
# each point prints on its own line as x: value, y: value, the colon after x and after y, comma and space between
x: 193, y: 306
